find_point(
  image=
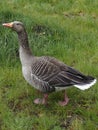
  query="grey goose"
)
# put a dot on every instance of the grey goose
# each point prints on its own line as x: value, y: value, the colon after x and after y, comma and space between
x: 45, y: 73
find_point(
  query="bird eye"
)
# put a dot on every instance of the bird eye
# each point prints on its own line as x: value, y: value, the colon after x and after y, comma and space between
x: 17, y: 24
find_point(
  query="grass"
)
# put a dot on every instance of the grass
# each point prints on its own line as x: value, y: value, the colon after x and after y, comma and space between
x: 66, y: 30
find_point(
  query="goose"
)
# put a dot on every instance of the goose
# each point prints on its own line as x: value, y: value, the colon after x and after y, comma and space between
x: 47, y: 74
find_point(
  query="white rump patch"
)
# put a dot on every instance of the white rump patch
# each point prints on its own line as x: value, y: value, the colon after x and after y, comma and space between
x: 86, y: 86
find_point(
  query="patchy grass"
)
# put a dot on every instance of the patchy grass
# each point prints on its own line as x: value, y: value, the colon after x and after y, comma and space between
x: 66, y: 30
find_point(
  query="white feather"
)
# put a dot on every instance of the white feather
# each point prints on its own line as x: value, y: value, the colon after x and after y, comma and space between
x: 60, y: 88
x: 86, y: 86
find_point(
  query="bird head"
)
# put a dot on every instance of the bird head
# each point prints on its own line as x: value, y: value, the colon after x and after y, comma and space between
x: 16, y: 26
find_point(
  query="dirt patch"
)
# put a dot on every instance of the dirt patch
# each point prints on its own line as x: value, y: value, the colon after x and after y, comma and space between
x: 42, y: 30
x: 18, y: 104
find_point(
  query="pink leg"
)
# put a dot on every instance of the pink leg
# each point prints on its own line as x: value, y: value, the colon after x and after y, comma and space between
x: 66, y: 100
x: 41, y: 101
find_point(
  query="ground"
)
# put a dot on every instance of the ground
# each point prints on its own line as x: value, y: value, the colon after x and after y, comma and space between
x: 67, y: 30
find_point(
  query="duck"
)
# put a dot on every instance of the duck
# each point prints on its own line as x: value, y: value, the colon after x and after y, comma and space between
x: 45, y: 73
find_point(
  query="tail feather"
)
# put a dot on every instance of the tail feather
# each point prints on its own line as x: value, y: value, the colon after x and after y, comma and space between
x: 86, y: 85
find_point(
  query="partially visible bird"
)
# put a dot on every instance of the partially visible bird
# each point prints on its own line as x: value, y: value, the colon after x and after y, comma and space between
x: 47, y: 74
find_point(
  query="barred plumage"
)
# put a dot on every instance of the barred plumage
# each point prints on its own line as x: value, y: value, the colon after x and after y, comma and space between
x: 45, y: 73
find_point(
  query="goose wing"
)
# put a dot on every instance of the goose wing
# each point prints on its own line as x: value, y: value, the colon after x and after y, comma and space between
x: 48, y: 73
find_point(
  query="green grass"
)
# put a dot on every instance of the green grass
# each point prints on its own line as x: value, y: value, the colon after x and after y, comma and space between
x: 64, y: 29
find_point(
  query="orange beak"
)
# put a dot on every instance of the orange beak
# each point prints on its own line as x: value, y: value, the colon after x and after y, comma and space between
x: 9, y: 25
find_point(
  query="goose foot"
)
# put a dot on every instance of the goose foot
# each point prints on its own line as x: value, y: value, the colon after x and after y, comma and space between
x: 42, y: 101
x: 65, y: 102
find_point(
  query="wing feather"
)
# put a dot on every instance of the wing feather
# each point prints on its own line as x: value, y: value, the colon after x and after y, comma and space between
x: 52, y: 73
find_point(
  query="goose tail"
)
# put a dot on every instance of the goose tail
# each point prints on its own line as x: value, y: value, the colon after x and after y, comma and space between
x: 86, y: 85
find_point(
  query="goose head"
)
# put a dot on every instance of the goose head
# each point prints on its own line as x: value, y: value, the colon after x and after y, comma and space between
x: 16, y: 26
